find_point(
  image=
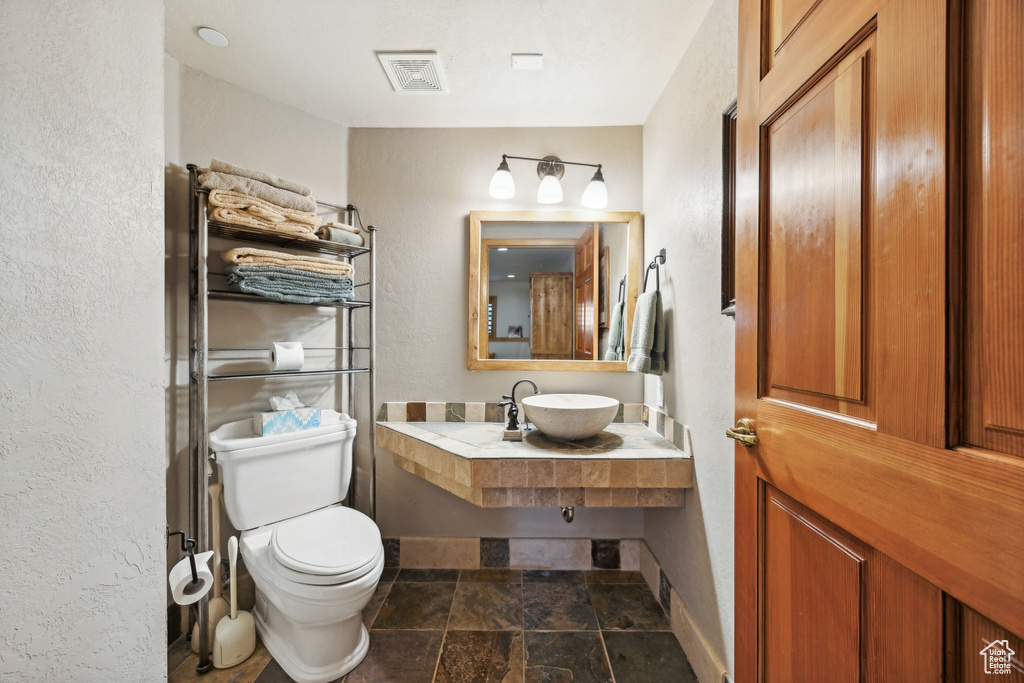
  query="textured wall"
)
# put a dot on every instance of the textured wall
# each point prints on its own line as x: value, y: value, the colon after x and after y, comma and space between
x: 205, y: 118
x: 683, y: 200
x: 419, y: 186
x: 81, y: 484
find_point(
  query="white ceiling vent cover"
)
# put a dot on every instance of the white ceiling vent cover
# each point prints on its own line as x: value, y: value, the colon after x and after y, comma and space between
x: 414, y: 73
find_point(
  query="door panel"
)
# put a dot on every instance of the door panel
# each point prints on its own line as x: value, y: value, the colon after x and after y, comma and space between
x: 817, y: 350
x: 808, y: 571
x: 976, y: 660
x: 994, y: 176
x: 838, y: 609
x: 850, y: 319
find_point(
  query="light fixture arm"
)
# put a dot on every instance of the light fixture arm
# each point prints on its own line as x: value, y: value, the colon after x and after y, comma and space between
x: 550, y: 159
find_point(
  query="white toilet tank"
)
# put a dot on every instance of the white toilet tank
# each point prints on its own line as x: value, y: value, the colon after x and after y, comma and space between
x: 270, y: 478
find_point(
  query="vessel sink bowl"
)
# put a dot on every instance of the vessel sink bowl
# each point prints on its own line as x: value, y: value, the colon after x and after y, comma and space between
x: 570, y: 416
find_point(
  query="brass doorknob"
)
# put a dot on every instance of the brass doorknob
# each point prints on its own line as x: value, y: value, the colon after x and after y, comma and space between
x: 743, y: 432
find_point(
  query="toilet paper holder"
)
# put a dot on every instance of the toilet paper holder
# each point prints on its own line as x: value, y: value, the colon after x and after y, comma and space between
x: 188, y: 545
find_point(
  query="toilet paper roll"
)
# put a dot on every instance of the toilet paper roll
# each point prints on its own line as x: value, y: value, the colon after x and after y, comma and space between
x: 183, y: 590
x: 286, y: 355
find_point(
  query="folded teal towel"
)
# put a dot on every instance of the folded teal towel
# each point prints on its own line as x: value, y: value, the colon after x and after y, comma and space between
x: 289, y: 284
x: 340, y: 236
x: 647, y: 343
x: 616, y: 334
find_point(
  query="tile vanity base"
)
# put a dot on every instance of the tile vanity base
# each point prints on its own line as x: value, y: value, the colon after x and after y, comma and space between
x: 627, y: 465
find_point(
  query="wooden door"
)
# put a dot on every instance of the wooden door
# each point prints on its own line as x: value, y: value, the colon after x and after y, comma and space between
x: 880, y: 338
x: 585, y: 285
x: 551, y: 316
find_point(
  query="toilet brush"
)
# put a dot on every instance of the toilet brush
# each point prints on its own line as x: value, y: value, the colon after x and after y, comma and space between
x: 235, y: 636
x: 219, y: 607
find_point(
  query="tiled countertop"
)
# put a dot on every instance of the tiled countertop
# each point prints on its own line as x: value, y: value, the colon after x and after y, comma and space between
x: 626, y: 465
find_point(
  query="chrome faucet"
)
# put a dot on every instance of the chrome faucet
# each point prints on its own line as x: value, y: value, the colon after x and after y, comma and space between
x: 513, y: 409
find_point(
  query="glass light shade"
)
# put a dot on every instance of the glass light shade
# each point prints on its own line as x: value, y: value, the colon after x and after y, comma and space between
x: 550, y: 190
x: 596, y: 194
x: 502, y: 185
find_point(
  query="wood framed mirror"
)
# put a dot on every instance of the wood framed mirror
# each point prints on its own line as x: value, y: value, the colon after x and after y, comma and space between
x: 536, y: 294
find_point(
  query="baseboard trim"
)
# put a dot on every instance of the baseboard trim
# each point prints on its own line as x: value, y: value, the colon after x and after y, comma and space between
x: 703, y: 658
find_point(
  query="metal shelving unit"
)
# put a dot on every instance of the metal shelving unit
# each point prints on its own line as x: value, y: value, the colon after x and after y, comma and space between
x: 200, y: 294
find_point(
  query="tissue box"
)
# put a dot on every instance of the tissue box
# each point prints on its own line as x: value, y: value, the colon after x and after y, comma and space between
x: 284, y: 421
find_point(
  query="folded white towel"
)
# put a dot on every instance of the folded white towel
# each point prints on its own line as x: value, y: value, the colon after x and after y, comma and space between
x: 342, y: 226
x: 213, y: 180
x: 244, y: 218
x: 248, y: 256
x: 261, y: 209
x: 224, y: 167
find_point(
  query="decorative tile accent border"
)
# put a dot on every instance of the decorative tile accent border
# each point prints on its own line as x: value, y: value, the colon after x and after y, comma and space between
x: 512, y: 553
x: 438, y: 411
x: 666, y: 426
x: 699, y: 651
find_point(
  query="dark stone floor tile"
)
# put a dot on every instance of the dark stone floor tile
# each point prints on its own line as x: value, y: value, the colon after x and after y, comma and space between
x: 552, y: 576
x: 562, y: 657
x: 273, y: 673
x: 388, y: 575
x: 421, y: 606
x: 371, y: 609
x: 428, y: 575
x: 604, y: 553
x: 491, y: 576
x: 494, y: 552
x: 246, y: 672
x: 406, y: 656
x: 557, y: 607
x: 392, y: 552
x: 613, y: 576
x: 487, y: 607
x: 640, y: 657
x: 481, y: 657
x: 178, y: 652
x: 627, y: 607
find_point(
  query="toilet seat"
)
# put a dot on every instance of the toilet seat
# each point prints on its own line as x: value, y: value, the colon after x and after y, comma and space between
x: 331, y: 546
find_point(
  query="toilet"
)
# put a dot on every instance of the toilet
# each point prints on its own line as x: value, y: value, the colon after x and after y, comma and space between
x: 315, y: 563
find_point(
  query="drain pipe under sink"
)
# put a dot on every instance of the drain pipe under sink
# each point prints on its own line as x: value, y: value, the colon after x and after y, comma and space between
x: 568, y: 513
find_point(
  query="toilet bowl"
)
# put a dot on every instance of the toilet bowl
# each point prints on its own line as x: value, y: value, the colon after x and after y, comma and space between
x: 314, y: 562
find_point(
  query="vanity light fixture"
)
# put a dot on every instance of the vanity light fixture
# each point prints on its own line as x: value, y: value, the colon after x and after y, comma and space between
x: 550, y: 169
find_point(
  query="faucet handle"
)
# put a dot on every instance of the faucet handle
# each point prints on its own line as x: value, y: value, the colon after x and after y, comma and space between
x: 506, y: 397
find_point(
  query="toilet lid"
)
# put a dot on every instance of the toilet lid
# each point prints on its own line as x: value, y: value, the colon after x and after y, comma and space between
x: 329, y: 546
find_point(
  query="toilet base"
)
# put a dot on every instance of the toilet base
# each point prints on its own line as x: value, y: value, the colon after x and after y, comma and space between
x: 310, y: 654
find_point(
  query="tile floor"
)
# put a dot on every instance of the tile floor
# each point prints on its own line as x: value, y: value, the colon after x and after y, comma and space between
x: 496, y: 626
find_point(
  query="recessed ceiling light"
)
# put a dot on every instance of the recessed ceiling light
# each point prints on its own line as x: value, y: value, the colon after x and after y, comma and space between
x: 502, y: 248
x: 213, y: 36
x: 511, y: 275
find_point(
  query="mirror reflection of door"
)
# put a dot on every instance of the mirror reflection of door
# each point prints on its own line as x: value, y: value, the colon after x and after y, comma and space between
x: 585, y: 286
x: 543, y: 285
x: 551, y: 330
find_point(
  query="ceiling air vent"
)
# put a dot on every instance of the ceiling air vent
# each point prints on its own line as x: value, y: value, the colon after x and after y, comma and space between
x: 416, y: 73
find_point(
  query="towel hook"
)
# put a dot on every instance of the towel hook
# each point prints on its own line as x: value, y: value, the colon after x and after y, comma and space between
x: 655, y: 265
x: 622, y: 290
